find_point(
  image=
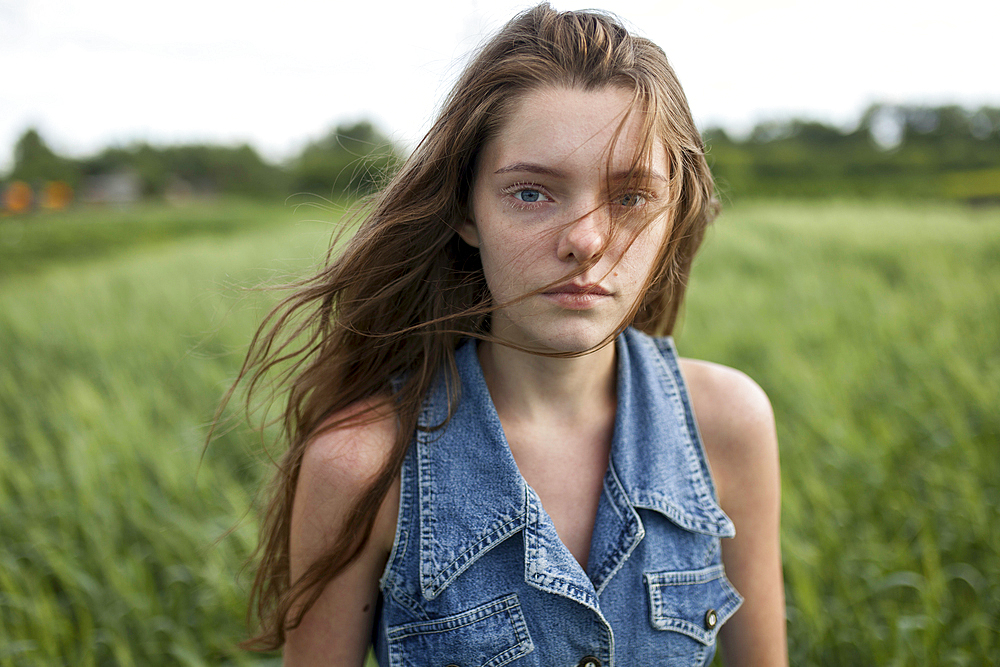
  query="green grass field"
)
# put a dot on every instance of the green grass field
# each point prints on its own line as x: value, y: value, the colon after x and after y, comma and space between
x: 875, y: 329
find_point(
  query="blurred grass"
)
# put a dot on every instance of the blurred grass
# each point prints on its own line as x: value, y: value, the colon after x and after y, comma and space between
x: 873, y: 327
x: 114, y: 540
x: 35, y: 242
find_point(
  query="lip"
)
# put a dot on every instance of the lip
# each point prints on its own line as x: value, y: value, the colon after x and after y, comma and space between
x: 577, y: 297
x: 572, y: 288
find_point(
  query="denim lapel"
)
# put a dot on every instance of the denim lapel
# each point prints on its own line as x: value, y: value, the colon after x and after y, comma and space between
x: 656, y: 463
x: 472, y: 495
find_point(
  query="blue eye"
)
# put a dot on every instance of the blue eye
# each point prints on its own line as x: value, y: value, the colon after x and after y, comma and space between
x: 528, y: 195
x: 631, y: 199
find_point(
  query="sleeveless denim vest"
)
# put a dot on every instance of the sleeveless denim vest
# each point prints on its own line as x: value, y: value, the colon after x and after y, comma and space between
x: 478, y: 576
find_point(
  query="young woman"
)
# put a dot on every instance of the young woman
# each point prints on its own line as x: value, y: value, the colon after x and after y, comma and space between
x: 492, y: 459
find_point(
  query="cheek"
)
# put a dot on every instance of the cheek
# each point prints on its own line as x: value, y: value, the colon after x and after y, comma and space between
x: 641, y: 257
x: 501, y: 265
x: 504, y: 250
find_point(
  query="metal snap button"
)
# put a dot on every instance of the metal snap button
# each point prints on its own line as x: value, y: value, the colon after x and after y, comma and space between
x: 589, y: 661
x: 711, y: 619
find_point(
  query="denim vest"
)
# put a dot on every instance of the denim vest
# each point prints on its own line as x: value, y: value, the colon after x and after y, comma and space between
x: 478, y: 576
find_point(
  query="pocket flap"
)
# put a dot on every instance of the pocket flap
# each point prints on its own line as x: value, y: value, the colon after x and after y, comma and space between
x: 490, y: 635
x: 693, y: 602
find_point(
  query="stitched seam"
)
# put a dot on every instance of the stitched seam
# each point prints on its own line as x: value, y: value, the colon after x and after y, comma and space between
x: 684, y: 577
x: 427, y: 520
x: 450, y: 571
x: 668, y: 355
x: 675, y: 390
x: 455, y: 622
x: 617, y: 559
x: 551, y: 584
x: 657, y: 503
x: 399, y: 543
x: 666, y: 361
x: 522, y: 647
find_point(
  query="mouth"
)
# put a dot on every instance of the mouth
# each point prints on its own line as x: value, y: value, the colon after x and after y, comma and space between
x: 578, y: 297
x: 583, y: 290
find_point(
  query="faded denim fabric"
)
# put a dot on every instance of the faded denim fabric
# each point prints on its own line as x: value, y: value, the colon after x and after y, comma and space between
x: 478, y: 576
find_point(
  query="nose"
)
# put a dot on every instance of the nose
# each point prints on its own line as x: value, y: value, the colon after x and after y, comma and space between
x: 585, y: 237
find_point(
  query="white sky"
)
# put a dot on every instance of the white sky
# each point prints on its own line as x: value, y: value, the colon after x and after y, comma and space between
x: 89, y: 73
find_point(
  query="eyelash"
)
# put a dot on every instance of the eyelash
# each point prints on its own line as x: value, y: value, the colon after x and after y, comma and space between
x: 516, y: 203
x: 644, y: 194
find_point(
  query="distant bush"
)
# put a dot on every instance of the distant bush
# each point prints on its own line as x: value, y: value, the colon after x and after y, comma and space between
x: 36, y: 163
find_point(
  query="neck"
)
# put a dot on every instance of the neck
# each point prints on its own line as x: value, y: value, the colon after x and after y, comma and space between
x: 530, y: 387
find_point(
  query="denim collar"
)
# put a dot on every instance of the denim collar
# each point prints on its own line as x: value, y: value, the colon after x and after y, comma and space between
x: 472, y: 495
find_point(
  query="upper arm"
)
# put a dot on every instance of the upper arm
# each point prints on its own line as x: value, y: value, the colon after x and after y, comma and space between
x: 336, y: 467
x: 737, y: 427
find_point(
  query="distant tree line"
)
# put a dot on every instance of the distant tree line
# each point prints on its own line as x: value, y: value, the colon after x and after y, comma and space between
x: 895, y: 150
x: 944, y: 152
x: 350, y: 160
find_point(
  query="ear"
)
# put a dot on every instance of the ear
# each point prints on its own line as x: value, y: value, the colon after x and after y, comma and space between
x: 469, y: 232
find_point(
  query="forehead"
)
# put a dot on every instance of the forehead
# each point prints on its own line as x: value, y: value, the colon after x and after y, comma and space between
x: 572, y: 128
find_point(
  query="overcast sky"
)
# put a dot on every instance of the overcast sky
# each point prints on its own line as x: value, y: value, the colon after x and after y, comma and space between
x: 91, y: 73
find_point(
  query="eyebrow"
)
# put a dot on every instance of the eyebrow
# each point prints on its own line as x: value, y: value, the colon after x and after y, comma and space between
x: 532, y: 168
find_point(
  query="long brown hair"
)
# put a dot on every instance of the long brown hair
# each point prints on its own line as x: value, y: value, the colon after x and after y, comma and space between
x: 394, y: 302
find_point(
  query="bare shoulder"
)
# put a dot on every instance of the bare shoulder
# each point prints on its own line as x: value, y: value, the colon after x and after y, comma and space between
x: 337, y: 466
x: 339, y: 463
x: 350, y: 447
x: 736, y: 422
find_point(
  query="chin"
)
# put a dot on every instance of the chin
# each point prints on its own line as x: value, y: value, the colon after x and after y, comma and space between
x: 572, y: 339
x: 580, y: 331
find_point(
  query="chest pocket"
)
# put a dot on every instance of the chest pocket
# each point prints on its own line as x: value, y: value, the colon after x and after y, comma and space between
x: 491, y: 635
x: 694, y: 603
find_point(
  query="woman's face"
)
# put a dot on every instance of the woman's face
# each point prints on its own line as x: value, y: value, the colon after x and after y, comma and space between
x: 540, y: 209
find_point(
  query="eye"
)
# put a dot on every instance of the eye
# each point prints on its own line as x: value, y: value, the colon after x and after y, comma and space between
x: 631, y: 199
x: 528, y: 195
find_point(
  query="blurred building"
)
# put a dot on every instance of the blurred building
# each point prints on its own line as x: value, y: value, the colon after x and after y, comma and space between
x: 119, y: 188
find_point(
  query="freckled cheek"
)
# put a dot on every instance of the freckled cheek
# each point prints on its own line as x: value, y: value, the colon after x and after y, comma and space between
x: 508, y: 248
x: 646, y: 249
x: 639, y: 261
x: 506, y: 271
